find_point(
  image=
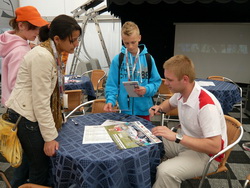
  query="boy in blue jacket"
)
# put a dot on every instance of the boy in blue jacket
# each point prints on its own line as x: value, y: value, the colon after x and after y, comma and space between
x: 134, y: 67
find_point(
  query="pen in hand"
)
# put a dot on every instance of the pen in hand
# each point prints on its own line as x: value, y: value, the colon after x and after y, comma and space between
x: 159, y: 111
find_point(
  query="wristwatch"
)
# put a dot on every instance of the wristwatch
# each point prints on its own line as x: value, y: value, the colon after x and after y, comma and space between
x: 178, y: 137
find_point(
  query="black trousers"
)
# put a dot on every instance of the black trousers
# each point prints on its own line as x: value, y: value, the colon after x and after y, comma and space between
x: 32, y: 143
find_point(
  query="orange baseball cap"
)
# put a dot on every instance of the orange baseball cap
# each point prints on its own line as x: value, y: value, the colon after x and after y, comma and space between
x: 31, y: 15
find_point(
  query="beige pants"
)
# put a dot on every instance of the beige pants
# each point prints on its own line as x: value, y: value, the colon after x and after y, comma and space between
x: 181, y: 164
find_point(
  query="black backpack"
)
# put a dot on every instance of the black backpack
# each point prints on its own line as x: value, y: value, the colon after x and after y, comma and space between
x: 149, y: 62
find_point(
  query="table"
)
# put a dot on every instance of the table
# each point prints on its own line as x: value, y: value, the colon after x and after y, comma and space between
x: 102, y: 165
x: 80, y: 82
x: 227, y: 93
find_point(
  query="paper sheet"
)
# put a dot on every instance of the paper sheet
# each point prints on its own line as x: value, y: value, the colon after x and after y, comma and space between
x: 111, y: 122
x: 205, y: 83
x: 96, y: 134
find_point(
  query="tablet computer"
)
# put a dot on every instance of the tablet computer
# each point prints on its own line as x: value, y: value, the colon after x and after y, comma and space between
x: 130, y: 86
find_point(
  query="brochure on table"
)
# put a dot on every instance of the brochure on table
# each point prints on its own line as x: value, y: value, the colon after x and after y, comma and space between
x: 124, y: 134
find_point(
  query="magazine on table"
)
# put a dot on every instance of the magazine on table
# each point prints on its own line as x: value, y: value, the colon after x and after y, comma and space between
x: 131, y: 134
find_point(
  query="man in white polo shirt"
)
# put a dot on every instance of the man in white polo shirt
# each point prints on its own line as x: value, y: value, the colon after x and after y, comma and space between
x: 202, y: 126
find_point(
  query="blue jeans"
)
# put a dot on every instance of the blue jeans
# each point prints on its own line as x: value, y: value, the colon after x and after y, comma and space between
x: 21, y: 173
x: 32, y: 143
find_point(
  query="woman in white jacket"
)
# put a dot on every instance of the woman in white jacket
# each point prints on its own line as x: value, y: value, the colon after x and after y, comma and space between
x: 37, y: 95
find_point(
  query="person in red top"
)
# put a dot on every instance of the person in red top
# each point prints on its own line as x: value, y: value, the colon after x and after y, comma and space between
x: 202, y: 130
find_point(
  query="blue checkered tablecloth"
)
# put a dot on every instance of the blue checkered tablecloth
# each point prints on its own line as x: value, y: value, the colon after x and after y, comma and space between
x: 227, y: 93
x: 102, y: 165
x: 83, y: 82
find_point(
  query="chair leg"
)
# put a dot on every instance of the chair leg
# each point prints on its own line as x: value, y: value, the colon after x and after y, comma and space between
x: 246, y: 183
x: 229, y: 179
x: 96, y: 93
x: 162, y: 119
x: 156, y: 102
x: 5, y: 179
x: 241, y: 113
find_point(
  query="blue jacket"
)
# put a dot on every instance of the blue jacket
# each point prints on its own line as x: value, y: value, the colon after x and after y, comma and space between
x: 116, y: 92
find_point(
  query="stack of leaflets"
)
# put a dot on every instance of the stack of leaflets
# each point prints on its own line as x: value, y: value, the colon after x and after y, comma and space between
x: 131, y: 134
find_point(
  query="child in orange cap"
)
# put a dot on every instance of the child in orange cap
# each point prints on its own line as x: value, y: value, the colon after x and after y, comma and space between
x: 13, y: 46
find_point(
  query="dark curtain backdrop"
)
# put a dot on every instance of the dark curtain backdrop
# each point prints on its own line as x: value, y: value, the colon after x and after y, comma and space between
x: 156, y: 19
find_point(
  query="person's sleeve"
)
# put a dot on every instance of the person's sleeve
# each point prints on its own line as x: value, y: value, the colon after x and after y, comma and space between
x: 173, y: 101
x: 112, y: 87
x: 209, y: 118
x: 154, y: 80
x: 42, y: 75
x: 16, y: 57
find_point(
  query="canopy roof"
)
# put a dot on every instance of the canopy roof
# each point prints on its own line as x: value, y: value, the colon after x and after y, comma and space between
x: 156, y: 19
x: 184, y: 10
x: 138, y: 2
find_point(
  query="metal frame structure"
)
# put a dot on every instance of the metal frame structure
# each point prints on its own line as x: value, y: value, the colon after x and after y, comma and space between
x: 90, y: 14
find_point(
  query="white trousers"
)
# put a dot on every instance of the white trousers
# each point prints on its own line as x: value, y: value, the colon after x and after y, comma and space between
x: 181, y: 164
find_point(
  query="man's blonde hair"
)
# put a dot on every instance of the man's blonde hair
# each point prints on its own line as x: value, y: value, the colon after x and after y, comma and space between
x: 181, y: 65
x: 129, y: 28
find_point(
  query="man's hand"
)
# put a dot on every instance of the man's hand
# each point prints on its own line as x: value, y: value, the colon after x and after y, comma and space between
x: 164, y: 132
x: 50, y: 148
x: 155, y: 110
x: 211, y: 145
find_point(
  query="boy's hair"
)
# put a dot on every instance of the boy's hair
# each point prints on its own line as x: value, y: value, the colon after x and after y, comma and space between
x: 181, y: 65
x: 129, y: 28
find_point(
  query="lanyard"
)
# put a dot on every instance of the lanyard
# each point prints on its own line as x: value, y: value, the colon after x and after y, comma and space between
x: 127, y: 63
x: 59, y: 71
